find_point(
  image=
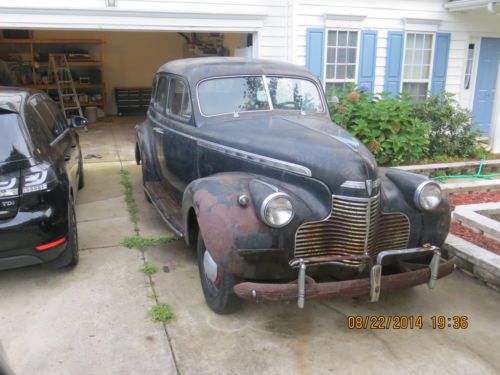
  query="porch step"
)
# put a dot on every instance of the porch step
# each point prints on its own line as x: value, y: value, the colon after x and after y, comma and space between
x: 168, y: 204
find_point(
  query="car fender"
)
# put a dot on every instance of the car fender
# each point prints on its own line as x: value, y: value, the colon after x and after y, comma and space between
x: 231, y: 230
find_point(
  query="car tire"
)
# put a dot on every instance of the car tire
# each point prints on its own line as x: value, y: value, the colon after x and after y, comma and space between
x: 219, y: 295
x: 81, y: 177
x: 71, y: 255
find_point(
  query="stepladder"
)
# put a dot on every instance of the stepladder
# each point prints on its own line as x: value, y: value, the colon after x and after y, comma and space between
x: 60, y: 72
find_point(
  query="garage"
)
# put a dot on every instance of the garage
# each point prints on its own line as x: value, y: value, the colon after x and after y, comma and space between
x: 110, y: 71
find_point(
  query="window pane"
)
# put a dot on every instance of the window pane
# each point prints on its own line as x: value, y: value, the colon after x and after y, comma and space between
x: 161, y: 94
x: 330, y: 71
x: 351, y: 71
x: 179, y: 103
x: 410, y: 41
x: 417, y: 91
x: 353, y: 39
x: 332, y: 38
x: 331, y: 55
x: 342, y: 38
x: 351, y: 56
x: 428, y: 41
x: 341, y: 71
x: 231, y: 95
x: 342, y: 56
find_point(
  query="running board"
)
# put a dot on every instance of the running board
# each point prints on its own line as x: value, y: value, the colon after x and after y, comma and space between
x: 166, y: 205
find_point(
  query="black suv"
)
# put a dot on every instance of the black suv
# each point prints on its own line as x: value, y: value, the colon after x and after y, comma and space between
x: 41, y: 171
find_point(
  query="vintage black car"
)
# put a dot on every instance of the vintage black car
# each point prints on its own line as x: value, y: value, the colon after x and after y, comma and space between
x: 41, y: 170
x: 241, y: 159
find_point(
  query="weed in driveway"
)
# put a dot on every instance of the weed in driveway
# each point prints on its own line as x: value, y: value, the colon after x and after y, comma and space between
x: 139, y: 242
x: 129, y: 198
x: 161, y: 312
x: 148, y: 269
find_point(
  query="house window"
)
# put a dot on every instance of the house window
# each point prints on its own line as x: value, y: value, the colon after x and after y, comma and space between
x: 341, y: 57
x: 417, y: 64
x: 468, y: 67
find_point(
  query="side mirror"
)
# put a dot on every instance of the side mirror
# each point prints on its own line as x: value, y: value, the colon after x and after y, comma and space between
x: 78, y: 122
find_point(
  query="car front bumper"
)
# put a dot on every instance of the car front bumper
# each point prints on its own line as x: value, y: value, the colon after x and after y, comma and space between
x: 305, y: 288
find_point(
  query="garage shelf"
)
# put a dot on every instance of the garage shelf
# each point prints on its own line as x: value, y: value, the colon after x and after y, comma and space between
x: 34, y: 72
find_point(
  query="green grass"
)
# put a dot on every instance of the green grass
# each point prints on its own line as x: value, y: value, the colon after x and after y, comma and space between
x: 161, y: 313
x: 149, y: 269
x: 139, y: 242
x: 133, y: 211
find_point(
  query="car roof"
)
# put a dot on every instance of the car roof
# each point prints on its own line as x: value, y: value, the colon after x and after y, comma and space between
x: 12, y: 98
x: 197, y: 69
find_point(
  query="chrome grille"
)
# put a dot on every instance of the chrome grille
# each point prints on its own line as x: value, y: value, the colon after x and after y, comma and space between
x: 355, y: 227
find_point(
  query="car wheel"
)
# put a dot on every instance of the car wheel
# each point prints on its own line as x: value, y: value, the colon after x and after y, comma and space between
x: 70, y: 256
x: 81, y: 178
x: 218, y: 290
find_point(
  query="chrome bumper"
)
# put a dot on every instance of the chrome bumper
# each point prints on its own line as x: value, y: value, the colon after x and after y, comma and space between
x: 306, y: 288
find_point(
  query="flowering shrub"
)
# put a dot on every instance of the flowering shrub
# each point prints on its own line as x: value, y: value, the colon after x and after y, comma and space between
x: 385, y: 125
x: 401, y: 130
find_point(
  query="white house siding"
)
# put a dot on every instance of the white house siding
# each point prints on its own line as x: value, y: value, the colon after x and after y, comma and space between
x: 268, y: 19
x: 387, y: 15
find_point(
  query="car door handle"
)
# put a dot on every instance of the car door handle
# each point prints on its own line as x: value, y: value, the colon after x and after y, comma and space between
x: 159, y: 130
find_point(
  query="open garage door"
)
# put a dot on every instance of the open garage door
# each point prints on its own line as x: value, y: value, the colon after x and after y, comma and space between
x: 111, y: 71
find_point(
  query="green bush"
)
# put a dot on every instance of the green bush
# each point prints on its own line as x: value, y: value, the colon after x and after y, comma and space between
x: 387, y: 126
x: 452, y: 134
x: 402, y: 131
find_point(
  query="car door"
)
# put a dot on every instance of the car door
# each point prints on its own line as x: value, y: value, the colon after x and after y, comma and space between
x: 63, y: 148
x: 179, y: 138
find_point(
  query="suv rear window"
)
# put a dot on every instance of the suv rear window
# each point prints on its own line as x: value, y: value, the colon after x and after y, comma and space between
x: 13, y: 144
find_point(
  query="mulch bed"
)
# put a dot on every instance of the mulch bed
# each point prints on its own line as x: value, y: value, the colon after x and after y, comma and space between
x: 467, y: 233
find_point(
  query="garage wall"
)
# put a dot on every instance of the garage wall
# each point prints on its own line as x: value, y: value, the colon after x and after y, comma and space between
x: 130, y: 59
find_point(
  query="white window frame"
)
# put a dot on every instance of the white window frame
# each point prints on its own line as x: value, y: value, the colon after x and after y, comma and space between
x: 431, y: 67
x: 325, y: 54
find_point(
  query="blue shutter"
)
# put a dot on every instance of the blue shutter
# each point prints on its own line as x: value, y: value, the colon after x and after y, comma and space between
x: 366, y: 75
x: 440, y: 64
x: 314, y: 51
x: 395, y: 43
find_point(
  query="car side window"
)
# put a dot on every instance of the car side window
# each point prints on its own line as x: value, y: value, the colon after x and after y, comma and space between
x: 179, y: 102
x: 39, y: 133
x: 56, y: 112
x: 161, y: 94
x: 41, y: 108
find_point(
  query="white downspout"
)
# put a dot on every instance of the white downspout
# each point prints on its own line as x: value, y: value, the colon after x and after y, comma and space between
x: 495, y: 120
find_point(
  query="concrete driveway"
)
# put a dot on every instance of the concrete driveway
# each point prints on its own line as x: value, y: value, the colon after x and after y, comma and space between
x: 93, y: 319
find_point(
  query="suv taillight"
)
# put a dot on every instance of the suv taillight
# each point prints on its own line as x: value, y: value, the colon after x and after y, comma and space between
x: 38, y: 178
x: 9, y: 185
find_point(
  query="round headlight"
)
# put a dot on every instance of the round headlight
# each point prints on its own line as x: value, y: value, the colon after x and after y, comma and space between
x: 277, y: 210
x: 428, y: 195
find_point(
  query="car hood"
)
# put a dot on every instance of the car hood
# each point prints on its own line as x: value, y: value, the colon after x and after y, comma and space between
x: 332, y: 154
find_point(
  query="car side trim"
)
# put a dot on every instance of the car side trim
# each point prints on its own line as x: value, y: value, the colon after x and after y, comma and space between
x: 287, y: 166
x: 276, y: 163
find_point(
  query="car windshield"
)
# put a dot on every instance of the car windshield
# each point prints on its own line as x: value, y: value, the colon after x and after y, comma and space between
x: 13, y: 145
x: 242, y: 94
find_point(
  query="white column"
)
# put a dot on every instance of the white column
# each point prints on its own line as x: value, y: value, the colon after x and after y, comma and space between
x: 495, y: 121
